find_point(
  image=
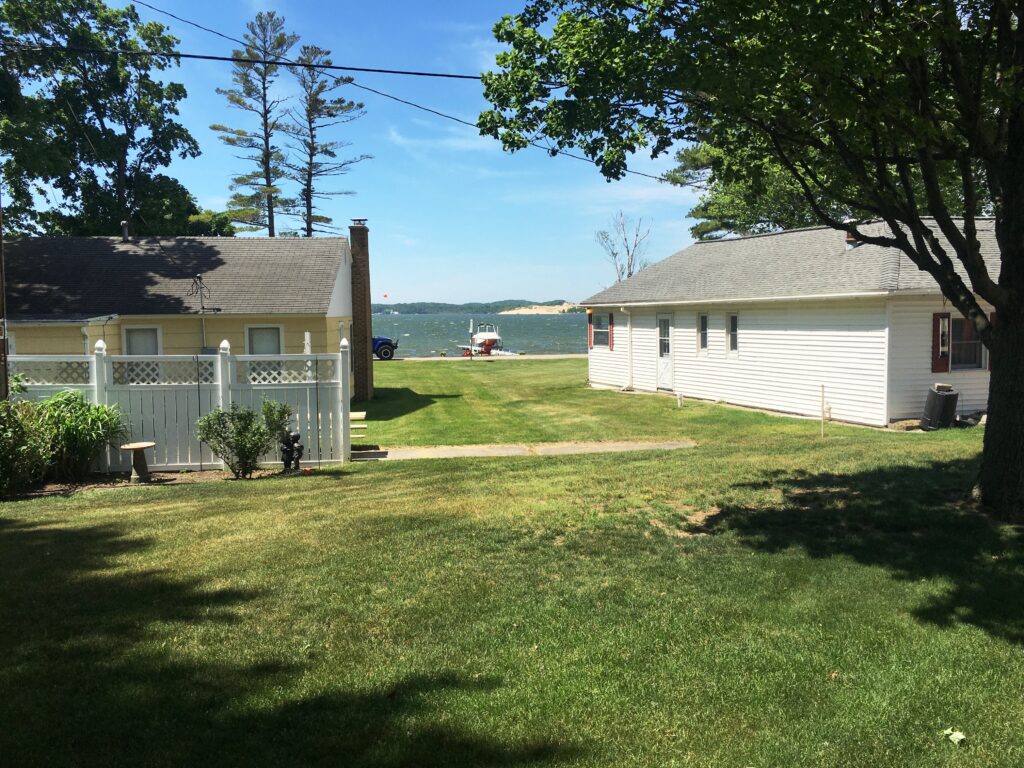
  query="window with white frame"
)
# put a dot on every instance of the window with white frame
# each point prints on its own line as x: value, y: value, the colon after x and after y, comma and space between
x: 264, y: 340
x: 732, y: 329
x: 141, y: 341
x: 702, y: 332
x: 600, y: 330
x: 966, y: 349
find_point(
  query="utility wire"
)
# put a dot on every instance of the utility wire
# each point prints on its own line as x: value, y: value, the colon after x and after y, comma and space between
x: 142, y: 52
x: 319, y: 67
x: 414, y: 105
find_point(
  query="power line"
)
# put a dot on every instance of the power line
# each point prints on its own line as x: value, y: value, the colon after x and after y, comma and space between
x: 286, y: 62
x: 535, y: 145
x: 142, y: 52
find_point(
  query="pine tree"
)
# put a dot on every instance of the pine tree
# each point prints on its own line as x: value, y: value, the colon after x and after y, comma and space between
x: 316, y: 159
x: 257, y: 200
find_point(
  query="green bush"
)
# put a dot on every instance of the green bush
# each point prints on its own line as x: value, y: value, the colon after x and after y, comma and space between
x: 240, y: 436
x: 16, y: 384
x: 79, y: 431
x: 24, y: 446
x: 276, y: 416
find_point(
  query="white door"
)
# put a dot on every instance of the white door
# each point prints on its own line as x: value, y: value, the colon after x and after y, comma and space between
x: 664, y: 351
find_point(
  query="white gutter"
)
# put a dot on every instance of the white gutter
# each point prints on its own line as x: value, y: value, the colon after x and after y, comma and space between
x: 703, y: 302
x: 629, y: 349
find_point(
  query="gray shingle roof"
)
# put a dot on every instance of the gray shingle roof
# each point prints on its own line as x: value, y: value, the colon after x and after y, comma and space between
x: 55, y: 278
x: 799, y: 262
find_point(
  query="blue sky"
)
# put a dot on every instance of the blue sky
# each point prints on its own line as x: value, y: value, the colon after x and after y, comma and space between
x: 452, y: 216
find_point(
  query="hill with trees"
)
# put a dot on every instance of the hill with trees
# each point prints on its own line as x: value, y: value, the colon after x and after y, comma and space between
x: 475, y: 307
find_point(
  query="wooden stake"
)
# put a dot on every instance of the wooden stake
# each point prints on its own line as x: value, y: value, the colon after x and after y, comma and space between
x: 823, y: 410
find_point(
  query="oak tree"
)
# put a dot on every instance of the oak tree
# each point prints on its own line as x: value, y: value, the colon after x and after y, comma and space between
x: 867, y: 104
x: 107, y: 123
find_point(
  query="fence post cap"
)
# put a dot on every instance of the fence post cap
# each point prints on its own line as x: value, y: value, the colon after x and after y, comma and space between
x: 101, y: 347
x: 344, y: 344
x: 225, y: 346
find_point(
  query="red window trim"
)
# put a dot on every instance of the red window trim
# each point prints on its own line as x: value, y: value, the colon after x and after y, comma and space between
x: 611, y: 332
x: 590, y: 330
x: 941, y: 363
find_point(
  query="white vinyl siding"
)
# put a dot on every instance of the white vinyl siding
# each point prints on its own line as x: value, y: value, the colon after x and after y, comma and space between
x: 645, y: 350
x: 607, y: 368
x: 786, y: 353
x: 910, y: 361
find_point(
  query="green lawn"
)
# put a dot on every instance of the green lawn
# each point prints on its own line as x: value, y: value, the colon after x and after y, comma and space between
x: 534, y: 401
x: 766, y: 599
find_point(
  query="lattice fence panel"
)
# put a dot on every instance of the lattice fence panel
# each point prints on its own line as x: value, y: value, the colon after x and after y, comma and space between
x: 52, y: 372
x: 162, y: 372
x: 285, y: 371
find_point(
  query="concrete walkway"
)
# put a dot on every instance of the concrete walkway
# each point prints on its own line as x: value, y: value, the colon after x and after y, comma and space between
x: 517, y: 449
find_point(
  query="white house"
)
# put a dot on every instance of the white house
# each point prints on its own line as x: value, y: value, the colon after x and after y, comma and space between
x: 766, y: 321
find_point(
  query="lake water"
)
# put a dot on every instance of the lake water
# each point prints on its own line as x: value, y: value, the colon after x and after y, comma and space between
x: 429, y: 335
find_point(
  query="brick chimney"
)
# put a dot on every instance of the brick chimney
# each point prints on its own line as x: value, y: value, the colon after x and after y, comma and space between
x: 362, y: 317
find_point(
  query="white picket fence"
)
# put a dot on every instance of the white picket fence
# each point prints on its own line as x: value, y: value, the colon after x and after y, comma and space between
x: 162, y: 396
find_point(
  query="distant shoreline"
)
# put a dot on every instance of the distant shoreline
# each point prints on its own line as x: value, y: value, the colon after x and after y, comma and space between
x: 541, y: 309
x: 471, y: 308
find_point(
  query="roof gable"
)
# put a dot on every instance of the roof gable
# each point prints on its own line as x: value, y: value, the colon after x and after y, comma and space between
x: 53, y: 278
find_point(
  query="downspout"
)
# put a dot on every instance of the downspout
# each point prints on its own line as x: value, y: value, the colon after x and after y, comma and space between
x: 629, y: 350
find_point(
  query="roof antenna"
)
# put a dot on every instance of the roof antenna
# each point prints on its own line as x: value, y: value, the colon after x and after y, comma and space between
x: 200, y: 289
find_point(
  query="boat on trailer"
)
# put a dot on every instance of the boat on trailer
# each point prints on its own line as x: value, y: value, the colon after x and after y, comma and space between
x: 485, y: 341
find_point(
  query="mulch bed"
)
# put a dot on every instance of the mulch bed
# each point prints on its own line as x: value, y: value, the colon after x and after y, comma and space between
x: 120, y: 480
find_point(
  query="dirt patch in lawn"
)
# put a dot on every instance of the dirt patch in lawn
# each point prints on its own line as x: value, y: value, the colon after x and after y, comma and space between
x: 695, y: 523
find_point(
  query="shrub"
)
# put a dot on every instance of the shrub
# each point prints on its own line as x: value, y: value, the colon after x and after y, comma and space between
x: 240, y: 436
x: 275, y: 416
x: 16, y: 384
x: 24, y: 446
x: 79, y: 431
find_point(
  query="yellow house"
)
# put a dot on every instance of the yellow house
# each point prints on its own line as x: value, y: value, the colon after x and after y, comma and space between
x: 183, y: 296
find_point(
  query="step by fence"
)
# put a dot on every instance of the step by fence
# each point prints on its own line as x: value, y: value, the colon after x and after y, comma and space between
x: 162, y: 396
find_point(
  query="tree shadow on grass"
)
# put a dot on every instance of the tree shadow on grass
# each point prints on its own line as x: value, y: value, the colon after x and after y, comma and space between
x: 912, y: 520
x: 98, y: 666
x: 394, y: 402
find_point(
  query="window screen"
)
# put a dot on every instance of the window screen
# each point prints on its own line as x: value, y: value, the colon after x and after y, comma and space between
x: 265, y: 341
x: 141, y: 341
x: 966, y: 347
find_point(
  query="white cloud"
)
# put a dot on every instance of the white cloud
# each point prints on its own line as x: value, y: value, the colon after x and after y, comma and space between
x: 452, y: 138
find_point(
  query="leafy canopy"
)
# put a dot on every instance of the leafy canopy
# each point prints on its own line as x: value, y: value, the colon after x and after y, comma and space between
x: 902, y: 111
x: 870, y: 107
x: 107, y: 123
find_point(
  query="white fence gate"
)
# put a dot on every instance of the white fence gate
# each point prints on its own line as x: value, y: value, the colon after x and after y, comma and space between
x: 161, y: 397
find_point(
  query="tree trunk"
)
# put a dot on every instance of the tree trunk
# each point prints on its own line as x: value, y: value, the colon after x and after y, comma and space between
x: 268, y: 180
x: 1002, y: 469
x: 308, y: 195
